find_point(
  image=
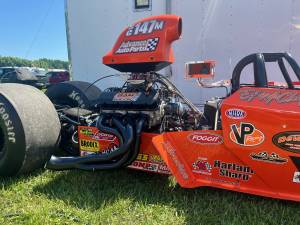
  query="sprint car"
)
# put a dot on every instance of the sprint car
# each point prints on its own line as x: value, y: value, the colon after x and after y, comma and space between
x: 246, y: 141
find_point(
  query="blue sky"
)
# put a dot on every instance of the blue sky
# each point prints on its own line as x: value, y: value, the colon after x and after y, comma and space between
x: 28, y: 31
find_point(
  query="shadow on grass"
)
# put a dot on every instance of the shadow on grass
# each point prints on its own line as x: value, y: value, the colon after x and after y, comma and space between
x: 6, y: 182
x: 92, y: 191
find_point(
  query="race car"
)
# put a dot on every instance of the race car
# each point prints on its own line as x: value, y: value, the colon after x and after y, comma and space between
x: 246, y: 141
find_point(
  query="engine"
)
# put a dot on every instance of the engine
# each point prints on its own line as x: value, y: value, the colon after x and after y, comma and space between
x: 153, y: 97
x: 106, y: 135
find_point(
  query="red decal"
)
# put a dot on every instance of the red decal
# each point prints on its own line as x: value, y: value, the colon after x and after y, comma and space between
x: 205, y: 138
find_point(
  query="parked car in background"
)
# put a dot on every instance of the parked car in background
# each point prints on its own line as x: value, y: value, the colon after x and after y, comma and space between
x: 21, y: 76
x: 55, y: 77
x: 4, y: 70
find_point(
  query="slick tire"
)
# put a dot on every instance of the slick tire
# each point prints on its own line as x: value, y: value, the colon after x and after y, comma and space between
x: 29, y: 129
x: 73, y: 94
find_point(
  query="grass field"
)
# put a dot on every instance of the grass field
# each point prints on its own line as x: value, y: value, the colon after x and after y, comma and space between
x: 131, y: 197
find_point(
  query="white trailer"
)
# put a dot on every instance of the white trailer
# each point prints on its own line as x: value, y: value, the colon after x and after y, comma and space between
x: 221, y: 30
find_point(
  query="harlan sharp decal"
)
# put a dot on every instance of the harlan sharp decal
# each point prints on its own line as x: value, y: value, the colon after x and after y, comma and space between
x: 205, y: 138
x: 235, y: 114
x: 233, y: 170
x: 270, y: 158
x: 148, y: 45
x: 246, y: 134
x: 289, y: 141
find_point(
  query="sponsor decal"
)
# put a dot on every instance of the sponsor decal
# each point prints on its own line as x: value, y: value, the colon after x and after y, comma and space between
x: 202, y: 166
x: 233, y: 170
x: 147, y: 45
x: 296, y: 177
x: 76, y: 97
x: 126, y: 96
x: 142, y: 157
x: 11, y: 135
x: 100, y: 136
x: 93, y: 141
x: 88, y: 145
x: 222, y: 181
x: 163, y: 168
x: 146, y: 166
x: 288, y: 140
x: 86, y: 131
x: 172, y: 152
x: 155, y: 164
x: 235, y: 114
x: 155, y: 158
x: 205, y: 138
x: 270, y: 158
x: 268, y: 97
x: 246, y: 134
x: 146, y: 27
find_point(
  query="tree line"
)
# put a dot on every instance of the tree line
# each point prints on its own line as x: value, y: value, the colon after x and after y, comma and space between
x: 41, y: 63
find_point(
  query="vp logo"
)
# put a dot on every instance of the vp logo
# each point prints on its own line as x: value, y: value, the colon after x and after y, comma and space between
x: 246, y: 134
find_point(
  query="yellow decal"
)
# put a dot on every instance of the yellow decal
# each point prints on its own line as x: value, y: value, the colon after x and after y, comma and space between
x: 142, y: 157
x: 88, y: 145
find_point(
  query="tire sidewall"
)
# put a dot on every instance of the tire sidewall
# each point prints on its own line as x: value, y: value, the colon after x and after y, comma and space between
x: 14, y: 145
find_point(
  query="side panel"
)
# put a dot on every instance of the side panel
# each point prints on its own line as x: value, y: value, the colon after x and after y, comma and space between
x: 209, y: 164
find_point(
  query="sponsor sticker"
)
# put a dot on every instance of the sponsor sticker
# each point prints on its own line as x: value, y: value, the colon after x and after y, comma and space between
x: 146, y: 166
x: 126, y: 96
x: 270, y: 158
x: 153, y: 163
x: 100, y: 136
x: 246, y: 134
x: 86, y: 131
x: 163, y: 168
x: 268, y: 97
x: 205, y: 138
x: 172, y: 152
x: 147, y: 45
x: 233, y: 170
x: 235, y: 183
x: 92, y: 140
x: 146, y: 27
x: 142, y: 157
x: 235, y: 114
x: 88, y: 145
x: 296, y: 177
x: 202, y: 166
x: 289, y: 141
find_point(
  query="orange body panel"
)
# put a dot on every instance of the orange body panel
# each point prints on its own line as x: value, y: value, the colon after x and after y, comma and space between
x: 257, y: 151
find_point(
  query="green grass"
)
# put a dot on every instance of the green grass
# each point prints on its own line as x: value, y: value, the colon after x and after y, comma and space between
x: 131, y: 197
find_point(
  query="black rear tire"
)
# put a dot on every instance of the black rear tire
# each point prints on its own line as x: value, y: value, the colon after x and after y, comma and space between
x: 29, y: 129
x: 73, y: 94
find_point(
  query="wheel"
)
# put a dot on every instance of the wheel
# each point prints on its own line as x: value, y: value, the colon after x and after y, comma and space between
x: 29, y: 129
x: 73, y: 94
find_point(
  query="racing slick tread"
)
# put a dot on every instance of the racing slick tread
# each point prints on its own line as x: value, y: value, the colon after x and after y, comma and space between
x: 30, y: 129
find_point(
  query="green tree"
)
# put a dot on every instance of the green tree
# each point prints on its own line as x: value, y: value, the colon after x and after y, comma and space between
x: 42, y: 63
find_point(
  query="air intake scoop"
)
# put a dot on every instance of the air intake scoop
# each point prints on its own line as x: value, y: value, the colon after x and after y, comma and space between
x: 146, y: 45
